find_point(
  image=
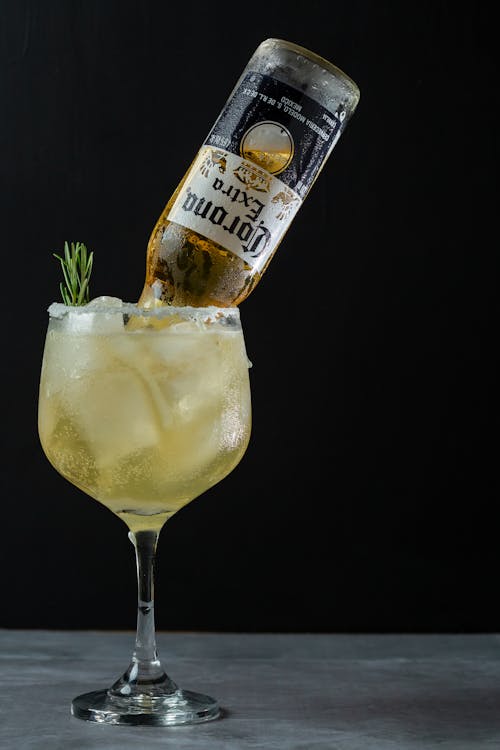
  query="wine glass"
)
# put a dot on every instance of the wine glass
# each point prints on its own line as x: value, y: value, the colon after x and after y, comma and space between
x: 144, y: 410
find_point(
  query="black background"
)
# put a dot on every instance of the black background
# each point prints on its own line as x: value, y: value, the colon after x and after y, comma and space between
x: 366, y: 499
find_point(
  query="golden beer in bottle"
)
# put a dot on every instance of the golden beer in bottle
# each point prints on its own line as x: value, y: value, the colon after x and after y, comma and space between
x: 226, y: 218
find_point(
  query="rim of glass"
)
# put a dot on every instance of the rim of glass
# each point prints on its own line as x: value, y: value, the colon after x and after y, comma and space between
x: 59, y: 311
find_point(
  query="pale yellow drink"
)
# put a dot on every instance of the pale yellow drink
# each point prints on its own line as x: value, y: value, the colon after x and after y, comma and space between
x: 147, y: 415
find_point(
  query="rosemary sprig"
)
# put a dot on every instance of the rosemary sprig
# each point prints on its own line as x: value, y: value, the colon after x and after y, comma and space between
x: 76, y: 267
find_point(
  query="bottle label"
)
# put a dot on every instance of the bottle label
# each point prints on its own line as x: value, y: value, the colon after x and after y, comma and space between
x: 256, y: 167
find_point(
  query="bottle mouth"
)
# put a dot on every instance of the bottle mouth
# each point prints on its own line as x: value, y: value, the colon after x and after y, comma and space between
x: 318, y: 60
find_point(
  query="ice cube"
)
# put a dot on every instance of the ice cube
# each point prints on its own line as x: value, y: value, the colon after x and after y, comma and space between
x: 104, y: 301
x: 93, y: 318
x: 73, y: 357
x: 115, y: 413
x: 77, y: 336
x: 86, y: 318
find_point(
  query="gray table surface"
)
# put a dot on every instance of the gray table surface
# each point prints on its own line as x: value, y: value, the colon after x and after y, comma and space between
x: 278, y: 691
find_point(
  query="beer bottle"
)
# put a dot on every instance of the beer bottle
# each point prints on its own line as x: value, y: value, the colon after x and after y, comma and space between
x: 226, y: 218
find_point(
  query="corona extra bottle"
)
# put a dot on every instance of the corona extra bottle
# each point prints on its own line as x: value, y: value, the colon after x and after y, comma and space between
x: 228, y: 215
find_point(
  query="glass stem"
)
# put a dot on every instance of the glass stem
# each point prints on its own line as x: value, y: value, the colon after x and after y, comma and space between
x: 145, y: 675
x: 145, y: 653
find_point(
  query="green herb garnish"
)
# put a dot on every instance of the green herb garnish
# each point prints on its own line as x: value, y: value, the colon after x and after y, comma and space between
x: 77, y: 267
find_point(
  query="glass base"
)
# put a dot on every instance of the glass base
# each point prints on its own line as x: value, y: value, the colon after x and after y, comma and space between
x: 181, y: 707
